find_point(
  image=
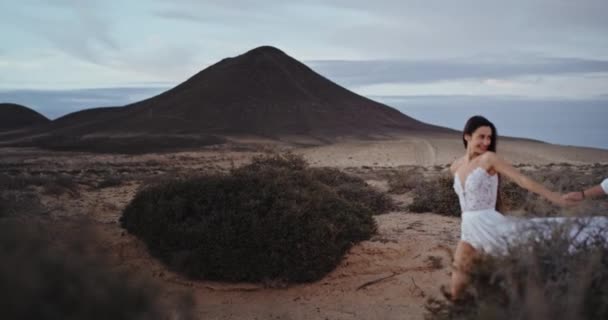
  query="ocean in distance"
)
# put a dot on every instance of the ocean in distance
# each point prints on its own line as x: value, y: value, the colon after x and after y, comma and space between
x: 565, y: 122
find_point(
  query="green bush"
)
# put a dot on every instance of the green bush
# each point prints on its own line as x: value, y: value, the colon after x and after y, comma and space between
x: 552, y: 277
x: 273, y: 219
x: 43, y: 278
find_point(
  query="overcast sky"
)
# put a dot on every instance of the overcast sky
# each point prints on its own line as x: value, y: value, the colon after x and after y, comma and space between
x: 530, y: 49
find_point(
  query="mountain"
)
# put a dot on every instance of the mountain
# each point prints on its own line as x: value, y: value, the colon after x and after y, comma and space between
x: 15, y: 116
x: 263, y: 92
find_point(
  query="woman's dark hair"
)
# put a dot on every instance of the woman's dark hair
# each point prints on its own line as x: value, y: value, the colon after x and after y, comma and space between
x: 473, y: 124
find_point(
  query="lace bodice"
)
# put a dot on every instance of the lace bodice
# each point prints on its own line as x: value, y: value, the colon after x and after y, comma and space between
x: 478, y: 192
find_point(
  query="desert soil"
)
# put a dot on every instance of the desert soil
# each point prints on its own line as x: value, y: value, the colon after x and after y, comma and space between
x: 387, y: 277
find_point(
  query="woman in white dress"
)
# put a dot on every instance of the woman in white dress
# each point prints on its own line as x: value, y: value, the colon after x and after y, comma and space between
x: 476, y: 179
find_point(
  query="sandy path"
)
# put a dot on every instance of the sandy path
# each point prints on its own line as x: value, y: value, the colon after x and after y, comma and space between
x: 441, y: 150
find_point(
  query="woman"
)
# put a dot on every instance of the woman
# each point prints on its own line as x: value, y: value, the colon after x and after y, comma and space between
x: 476, y: 179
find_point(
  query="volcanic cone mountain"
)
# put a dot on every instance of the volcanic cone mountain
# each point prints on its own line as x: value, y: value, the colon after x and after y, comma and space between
x: 263, y: 92
x: 15, y: 116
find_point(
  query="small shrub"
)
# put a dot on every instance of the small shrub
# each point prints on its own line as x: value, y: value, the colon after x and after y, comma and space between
x: 354, y: 189
x: 436, y: 195
x: 402, y: 182
x: 274, y: 160
x: 21, y: 181
x: 67, y: 182
x: 273, y: 219
x: 109, y: 182
x: 58, y: 185
x: 15, y: 203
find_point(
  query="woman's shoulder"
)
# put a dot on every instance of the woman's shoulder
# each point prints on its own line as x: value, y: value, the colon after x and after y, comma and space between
x: 489, y: 156
x: 489, y: 160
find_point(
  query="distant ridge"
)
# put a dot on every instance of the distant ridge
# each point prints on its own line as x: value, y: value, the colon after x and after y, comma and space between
x: 15, y: 116
x: 263, y: 92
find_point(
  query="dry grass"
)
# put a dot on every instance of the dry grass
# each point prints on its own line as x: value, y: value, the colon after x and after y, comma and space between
x: 550, y: 277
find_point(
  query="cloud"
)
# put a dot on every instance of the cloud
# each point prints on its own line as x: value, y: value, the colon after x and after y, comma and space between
x: 79, y: 29
x: 416, y: 29
x: 354, y: 42
x: 179, y: 15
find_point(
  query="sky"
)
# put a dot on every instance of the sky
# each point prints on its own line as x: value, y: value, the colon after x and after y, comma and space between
x: 65, y: 55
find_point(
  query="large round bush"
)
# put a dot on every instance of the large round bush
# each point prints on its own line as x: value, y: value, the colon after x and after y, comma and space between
x: 272, y: 219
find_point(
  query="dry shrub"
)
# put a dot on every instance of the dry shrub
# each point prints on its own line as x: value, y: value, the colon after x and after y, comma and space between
x: 43, y: 278
x: 274, y: 219
x: 16, y: 203
x: 354, y: 189
x: 22, y: 181
x: 109, y: 182
x: 561, y: 178
x: 56, y: 184
x: 548, y: 277
x: 436, y: 195
x: 404, y: 181
x: 127, y: 145
x: 287, y: 160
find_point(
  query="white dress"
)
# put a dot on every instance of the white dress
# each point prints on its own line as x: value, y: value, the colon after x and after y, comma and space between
x: 488, y: 230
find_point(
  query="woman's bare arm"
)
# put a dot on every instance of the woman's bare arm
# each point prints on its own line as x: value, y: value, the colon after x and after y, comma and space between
x: 504, y: 168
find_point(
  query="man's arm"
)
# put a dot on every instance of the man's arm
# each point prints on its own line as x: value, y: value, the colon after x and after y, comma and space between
x: 595, y: 191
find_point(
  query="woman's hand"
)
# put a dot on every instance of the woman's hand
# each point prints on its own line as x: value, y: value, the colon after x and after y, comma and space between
x: 574, y: 196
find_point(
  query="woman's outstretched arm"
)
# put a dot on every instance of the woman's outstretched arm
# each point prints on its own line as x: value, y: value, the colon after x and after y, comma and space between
x: 506, y: 169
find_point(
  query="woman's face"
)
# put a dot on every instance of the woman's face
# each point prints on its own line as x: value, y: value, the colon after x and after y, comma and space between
x: 480, y: 140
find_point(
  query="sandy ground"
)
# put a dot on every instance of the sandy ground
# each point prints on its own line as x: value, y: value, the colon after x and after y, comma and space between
x: 388, y: 277
x: 441, y: 150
